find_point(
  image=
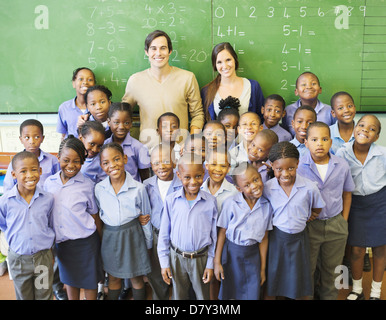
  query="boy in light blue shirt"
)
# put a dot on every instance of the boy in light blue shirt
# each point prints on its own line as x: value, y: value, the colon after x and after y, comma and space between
x: 32, y: 136
x: 26, y: 220
x: 328, y: 232
x: 163, y: 183
x: 273, y: 111
x: 303, y: 117
x: 343, y: 109
x: 187, y: 237
x: 308, y: 89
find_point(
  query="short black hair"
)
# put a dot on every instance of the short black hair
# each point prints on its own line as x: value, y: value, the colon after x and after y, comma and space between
x: 305, y: 107
x: 318, y: 124
x: 240, y: 169
x: 306, y: 72
x: 120, y: 106
x: 98, y: 87
x: 338, y: 94
x: 20, y: 156
x: 31, y: 122
x: 167, y: 114
x: 275, y: 97
x: 76, y: 71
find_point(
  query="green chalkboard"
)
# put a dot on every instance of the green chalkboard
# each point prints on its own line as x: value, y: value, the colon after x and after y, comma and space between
x: 342, y: 41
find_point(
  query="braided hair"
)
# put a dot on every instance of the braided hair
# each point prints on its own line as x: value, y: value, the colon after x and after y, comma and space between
x: 112, y: 145
x: 229, y: 106
x: 74, y: 144
x: 120, y: 106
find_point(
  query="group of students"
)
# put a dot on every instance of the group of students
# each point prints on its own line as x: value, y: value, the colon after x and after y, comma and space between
x: 249, y: 209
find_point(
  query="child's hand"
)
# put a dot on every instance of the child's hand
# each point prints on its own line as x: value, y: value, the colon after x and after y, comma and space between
x: 166, y: 275
x: 218, y: 271
x: 208, y: 275
x: 262, y: 277
x: 82, y: 119
x: 269, y: 166
x: 144, y: 219
x: 313, y: 216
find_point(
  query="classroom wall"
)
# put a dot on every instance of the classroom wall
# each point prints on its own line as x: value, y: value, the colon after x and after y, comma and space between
x: 9, y: 131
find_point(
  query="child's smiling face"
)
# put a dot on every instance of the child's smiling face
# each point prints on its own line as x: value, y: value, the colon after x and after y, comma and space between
x: 285, y: 171
x: 249, y: 126
x: 258, y: 149
x: 70, y: 163
x: 84, y: 79
x: 250, y: 184
x: 344, y: 109
x: 162, y: 164
x: 192, y: 177
x: 308, y: 87
x: 93, y: 143
x: 120, y: 124
x: 113, y: 163
x: 273, y: 111
x: 27, y: 172
x: 214, y: 134
x: 217, y: 166
x: 300, y: 123
x: 367, y: 130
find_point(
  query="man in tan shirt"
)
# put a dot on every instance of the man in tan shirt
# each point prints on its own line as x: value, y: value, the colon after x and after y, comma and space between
x: 163, y: 88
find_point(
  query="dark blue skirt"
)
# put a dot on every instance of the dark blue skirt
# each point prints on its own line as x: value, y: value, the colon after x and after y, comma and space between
x: 124, y: 252
x: 367, y: 220
x: 79, y: 262
x: 241, y: 266
x: 289, y: 269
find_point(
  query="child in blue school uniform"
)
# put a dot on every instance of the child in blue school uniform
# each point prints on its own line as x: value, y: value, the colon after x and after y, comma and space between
x: 242, y: 241
x: 303, y: 117
x: 197, y: 144
x: 367, y: 223
x: 249, y: 125
x: 327, y: 233
x: 76, y: 222
x: 229, y: 116
x: 70, y: 110
x: 32, y: 136
x: 215, y: 135
x: 187, y: 237
x: 258, y: 151
x: 295, y: 201
x: 98, y: 101
x: 273, y: 111
x: 343, y: 109
x: 26, y: 220
x: 125, y: 243
x: 163, y: 183
x: 92, y: 134
x: 168, y: 128
x: 217, y: 165
x: 138, y: 159
x: 308, y: 88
